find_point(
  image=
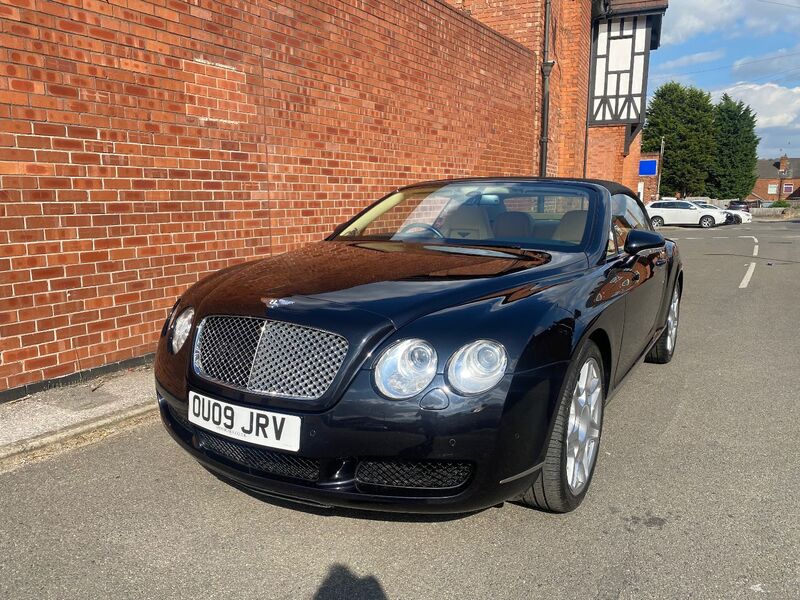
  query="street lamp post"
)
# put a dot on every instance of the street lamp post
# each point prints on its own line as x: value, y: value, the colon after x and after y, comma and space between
x: 660, y: 168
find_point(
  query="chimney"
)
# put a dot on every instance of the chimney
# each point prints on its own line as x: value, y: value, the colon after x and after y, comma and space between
x: 784, y: 163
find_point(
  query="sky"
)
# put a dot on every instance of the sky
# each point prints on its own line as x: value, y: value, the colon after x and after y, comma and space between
x: 747, y: 48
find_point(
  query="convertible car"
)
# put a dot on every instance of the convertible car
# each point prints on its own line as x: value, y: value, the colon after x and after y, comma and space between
x: 450, y: 347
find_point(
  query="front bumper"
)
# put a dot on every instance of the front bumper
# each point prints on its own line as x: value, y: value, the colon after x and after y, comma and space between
x: 477, y: 453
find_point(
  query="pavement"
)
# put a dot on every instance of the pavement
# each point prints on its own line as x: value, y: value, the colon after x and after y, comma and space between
x: 695, y: 494
x: 43, y: 423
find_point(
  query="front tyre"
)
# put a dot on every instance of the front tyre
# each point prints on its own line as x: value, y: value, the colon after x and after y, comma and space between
x: 664, y: 349
x: 657, y: 222
x: 574, y: 443
x: 707, y: 222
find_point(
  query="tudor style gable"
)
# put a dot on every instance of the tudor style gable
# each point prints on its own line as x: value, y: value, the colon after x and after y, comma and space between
x: 623, y: 36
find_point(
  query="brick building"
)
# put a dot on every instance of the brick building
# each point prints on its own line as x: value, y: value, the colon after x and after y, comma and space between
x: 777, y: 179
x: 146, y: 143
x: 648, y: 176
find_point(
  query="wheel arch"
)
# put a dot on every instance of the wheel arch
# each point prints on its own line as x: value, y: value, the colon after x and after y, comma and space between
x: 600, y: 338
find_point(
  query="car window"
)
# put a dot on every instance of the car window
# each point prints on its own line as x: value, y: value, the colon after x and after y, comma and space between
x: 685, y: 205
x: 611, y: 248
x: 522, y: 214
x: 671, y: 205
x: 626, y: 215
x: 657, y: 205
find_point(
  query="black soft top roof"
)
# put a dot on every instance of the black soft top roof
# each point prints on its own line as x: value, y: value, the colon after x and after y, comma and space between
x: 612, y: 187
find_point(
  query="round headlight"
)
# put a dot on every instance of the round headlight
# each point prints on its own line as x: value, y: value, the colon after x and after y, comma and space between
x: 181, y: 329
x: 405, y: 369
x: 477, y: 367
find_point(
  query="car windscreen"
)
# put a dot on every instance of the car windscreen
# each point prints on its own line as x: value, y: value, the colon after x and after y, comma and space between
x: 536, y: 215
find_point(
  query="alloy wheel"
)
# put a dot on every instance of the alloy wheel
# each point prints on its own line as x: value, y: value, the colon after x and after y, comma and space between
x: 672, y: 321
x: 583, y: 428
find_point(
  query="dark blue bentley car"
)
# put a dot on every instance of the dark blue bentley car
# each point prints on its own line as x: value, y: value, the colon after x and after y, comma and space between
x: 450, y: 347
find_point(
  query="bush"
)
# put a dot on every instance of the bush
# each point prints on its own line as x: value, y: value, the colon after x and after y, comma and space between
x: 780, y: 204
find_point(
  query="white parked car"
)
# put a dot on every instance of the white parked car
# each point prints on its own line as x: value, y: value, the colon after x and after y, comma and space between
x: 682, y: 212
x: 739, y: 216
x: 730, y: 218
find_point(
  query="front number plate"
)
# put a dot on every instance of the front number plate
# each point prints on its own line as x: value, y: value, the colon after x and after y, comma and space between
x: 245, y: 424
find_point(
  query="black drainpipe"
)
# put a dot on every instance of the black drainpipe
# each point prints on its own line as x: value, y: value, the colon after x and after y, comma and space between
x: 547, y: 68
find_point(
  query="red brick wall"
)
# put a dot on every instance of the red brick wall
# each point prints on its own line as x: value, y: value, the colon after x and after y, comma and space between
x: 365, y: 99
x: 607, y: 159
x: 630, y: 163
x: 570, y: 48
x: 572, y: 41
x: 520, y: 20
x: 145, y: 143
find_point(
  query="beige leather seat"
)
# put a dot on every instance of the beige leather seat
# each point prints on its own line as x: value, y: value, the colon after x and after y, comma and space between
x: 571, y: 227
x: 513, y: 225
x: 467, y: 223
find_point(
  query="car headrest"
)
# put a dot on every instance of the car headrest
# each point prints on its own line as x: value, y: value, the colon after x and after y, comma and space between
x: 513, y: 225
x: 468, y: 223
x: 571, y: 227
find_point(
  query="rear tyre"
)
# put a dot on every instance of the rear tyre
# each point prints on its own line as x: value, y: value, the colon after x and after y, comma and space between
x: 707, y: 222
x: 737, y: 219
x: 575, y: 441
x: 657, y: 222
x: 664, y: 349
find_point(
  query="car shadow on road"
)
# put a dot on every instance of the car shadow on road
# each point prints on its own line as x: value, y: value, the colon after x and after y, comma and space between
x: 343, y: 584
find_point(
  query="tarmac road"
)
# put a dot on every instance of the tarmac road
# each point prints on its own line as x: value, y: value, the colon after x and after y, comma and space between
x: 695, y: 495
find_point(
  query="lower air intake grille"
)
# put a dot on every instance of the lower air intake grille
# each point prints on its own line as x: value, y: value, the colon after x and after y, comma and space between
x: 428, y: 474
x: 259, y: 459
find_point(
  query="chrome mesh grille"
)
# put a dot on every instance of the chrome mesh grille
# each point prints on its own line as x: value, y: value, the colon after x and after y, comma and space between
x: 430, y: 474
x: 259, y: 459
x: 225, y: 348
x: 268, y: 357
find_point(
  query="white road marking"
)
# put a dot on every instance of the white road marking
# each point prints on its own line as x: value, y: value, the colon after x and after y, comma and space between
x: 755, y: 250
x: 749, y: 237
x: 747, y: 276
x: 694, y: 238
x: 720, y: 237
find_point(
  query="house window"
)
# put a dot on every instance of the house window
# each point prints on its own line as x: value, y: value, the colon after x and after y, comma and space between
x: 788, y: 188
x: 772, y: 189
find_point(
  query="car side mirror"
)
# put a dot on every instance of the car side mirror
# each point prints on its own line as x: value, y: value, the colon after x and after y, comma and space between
x: 642, y: 239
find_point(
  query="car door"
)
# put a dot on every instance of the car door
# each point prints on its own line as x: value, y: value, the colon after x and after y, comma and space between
x: 645, y: 278
x: 672, y: 213
x: 688, y: 213
x: 656, y: 209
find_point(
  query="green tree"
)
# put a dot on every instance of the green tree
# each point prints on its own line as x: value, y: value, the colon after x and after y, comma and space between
x: 684, y: 117
x: 733, y: 172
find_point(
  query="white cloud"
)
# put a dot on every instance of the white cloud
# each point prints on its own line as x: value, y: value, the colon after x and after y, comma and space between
x: 778, y: 111
x: 691, y: 59
x: 686, y: 19
x: 784, y: 64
